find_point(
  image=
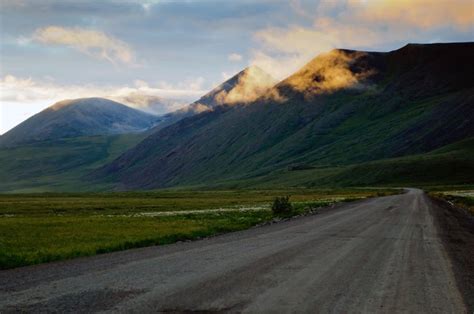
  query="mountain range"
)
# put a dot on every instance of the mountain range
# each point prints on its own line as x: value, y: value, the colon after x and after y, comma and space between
x: 345, y: 118
x: 56, y: 148
x: 342, y: 108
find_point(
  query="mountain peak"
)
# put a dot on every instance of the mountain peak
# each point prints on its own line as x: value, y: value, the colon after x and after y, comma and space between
x: 245, y: 86
x: 253, y: 69
x: 78, y: 117
x: 86, y: 102
x: 329, y: 72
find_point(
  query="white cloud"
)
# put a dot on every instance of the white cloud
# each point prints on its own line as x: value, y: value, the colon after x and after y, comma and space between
x: 235, y: 57
x: 90, y: 42
x: 139, y: 95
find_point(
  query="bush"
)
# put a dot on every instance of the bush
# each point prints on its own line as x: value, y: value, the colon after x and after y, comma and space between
x: 282, y: 205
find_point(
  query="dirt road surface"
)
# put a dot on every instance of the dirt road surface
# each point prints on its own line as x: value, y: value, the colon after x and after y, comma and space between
x: 380, y: 255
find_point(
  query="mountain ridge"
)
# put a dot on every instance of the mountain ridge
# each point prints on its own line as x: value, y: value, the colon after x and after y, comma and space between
x: 389, y: 104
x: 211, y: 100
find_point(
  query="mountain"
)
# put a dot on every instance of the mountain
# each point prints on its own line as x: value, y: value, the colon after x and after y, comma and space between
x: 59, y: 165
x: 57, y: 160
x: 250, y: 82
x: 53, y: 150
x: 452, y: 164
x: 78, y: 117
x: 343, y: 108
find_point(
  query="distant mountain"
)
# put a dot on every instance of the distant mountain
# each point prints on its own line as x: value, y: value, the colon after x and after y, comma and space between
x: 250, y: 82
x: 78, y: 117
x: 343, y: 108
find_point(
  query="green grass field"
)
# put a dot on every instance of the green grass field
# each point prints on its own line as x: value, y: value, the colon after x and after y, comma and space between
x: 38, y: 228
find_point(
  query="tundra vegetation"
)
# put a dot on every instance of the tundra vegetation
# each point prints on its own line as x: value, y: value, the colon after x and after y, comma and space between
x: 38, y: 228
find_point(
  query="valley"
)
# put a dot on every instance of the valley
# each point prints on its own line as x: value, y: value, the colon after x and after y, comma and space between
x: 206, y: 156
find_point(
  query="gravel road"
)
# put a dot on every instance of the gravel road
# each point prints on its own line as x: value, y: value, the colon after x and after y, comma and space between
x: 379, y: 255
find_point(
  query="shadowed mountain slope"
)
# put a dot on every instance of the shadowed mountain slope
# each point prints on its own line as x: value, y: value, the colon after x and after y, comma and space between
x: 342, y: 108
x: 78, y: 117
x: 59, y: 165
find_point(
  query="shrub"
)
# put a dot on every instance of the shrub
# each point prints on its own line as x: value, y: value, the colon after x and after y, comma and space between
x: 282, y: 205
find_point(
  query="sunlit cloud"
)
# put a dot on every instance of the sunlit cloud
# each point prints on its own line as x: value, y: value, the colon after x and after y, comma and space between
x: 90, y: 42
x: 329, y: 72
x: 140, y: 95
x: 252, y: 84
x: 423, y: 14
x: 355, y: 23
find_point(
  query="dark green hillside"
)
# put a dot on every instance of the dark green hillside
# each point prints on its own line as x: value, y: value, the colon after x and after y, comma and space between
x: 407, y: 102
x: 450, y: 165
x: 59, y: 165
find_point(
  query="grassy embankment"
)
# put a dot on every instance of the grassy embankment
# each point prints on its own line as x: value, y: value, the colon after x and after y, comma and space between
x: 463, y: 198
x: 38, y: 228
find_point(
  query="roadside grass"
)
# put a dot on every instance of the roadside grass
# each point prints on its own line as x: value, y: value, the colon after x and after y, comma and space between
x: 460, y: 198
x: 33, y: 240
x: 39, y: 228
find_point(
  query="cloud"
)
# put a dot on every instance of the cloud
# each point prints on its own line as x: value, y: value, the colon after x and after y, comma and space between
x: 150, y: 103
x: 234, y: 57
x: 284, y: 50
x: 327, y: 73
x: 423, y: 14
x: 253, y: 84
x: 355, y: 24
x: 298, y: 9
x: 140, y: 95
x: 90, y: 42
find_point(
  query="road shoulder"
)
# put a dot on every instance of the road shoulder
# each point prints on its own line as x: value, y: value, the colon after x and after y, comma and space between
x: 456, y: 228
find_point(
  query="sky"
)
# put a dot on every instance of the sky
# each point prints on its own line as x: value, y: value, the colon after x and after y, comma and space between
x: 159, y: 55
